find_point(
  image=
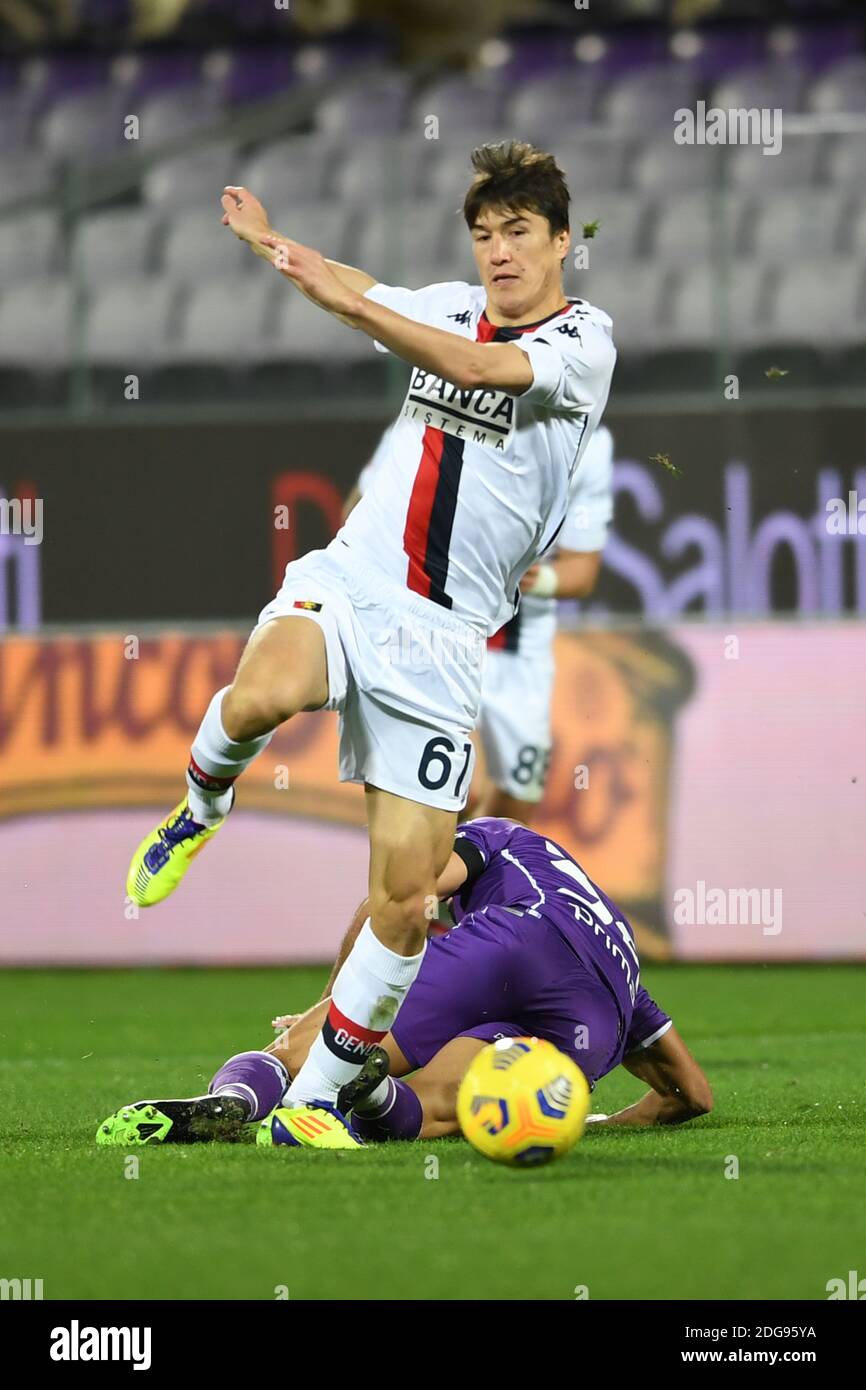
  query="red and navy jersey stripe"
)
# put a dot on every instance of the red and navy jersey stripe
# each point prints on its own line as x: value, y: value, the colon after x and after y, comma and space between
x: 507, y: 639
x: 433, y: 501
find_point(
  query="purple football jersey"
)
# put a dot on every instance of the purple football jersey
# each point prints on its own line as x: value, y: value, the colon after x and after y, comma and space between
x: 530, y: 874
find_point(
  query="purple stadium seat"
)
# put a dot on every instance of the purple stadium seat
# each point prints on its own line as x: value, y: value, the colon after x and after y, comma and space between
x: 299, y: 168
x: 771, y: 84
x: 85, y: 127
x: 650, y: 97
x: 461, y: 104
x: 143, y: 75
x: 377, y: 108
x: 385, y: 169
x: 559, y: 106
x: 50, y: 79
x: 815, y: 46
x: 712, y: 53
x: 841, y: 88
x: 172, y: 115
x: 242, y: 75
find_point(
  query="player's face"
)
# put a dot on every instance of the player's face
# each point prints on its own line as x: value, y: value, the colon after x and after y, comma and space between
x: 519, y: 261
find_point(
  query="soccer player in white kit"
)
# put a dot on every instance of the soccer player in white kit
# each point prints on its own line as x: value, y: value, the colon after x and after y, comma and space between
x: 509, y: 379
x: 514, y: 723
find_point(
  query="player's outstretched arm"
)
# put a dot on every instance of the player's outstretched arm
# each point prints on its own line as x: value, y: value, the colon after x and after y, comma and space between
x: 341, y: 291
x: 680, y: 1090
x: 571, y: 574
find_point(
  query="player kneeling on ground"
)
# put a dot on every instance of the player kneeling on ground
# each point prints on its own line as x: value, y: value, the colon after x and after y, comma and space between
x: 538, y: 949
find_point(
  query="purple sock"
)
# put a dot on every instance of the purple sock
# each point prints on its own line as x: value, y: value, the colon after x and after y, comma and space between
x: 398, y: 1117
x: 259, y: 1078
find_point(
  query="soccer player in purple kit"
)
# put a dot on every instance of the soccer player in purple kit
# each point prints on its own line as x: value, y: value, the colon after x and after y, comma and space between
x: 537, y: 949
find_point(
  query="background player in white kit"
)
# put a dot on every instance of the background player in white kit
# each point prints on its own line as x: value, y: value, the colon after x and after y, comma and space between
x: 474, y: 489
x: 514, y: 724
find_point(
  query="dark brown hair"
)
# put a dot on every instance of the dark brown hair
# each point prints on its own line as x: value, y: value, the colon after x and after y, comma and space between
x: 514, y: 175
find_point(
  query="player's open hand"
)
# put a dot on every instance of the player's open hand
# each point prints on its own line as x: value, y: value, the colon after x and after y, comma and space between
x: 310, y: 272
x: 243, y: 212
x: 283, y: 1021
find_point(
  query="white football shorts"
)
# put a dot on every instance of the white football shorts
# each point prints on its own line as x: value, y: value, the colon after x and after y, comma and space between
x: 404, y: 675
x: 514, y: 724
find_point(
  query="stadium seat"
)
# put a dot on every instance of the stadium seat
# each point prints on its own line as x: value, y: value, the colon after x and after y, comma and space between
x: 196, y: 247
x: 128, y: 323
x: 854, y: 230
x: 815, y: 324
x: 384, y: 169
x: 35, y: 323
x: 591, y: 161
x: 303, y: 332
x: 192, y: 180
x: 791, y: 224
x: 85, y: 127
x: 842, y: 88
x: 796, y: 164
x: 846, y: 162
x: 461, y: 105
x: 819, y: 303
x: 113, y: 245
x: 632, y: 295
x: 296, y: 169
x: 330, y: 227
x: 649, y: 98
x: 31, y: 174
x: 17, y: 123
x: 377, y: 108
x: 303, y: 342
x: 224, y: 322
x: 167, y: 118
x: 621, y: 218
x: 400, y: 244
x: 699, y: 226
x: 662, y: 166
x: 765, y: 85
x: 705, y: 309
x: 29, y: 246
x: 243, y: 75
x: 545, y: 107
x: 140, y: 75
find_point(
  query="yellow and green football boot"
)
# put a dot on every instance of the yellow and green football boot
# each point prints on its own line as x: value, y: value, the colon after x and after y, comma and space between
x: 318, y: 1125
x: 192, y: 1121
x: 164, y: 856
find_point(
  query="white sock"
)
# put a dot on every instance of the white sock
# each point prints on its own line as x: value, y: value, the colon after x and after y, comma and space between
x: 216, y: 757
x: 366, y: 998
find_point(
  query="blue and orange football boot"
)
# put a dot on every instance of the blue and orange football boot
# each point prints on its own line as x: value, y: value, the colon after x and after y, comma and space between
x: 164, y: 855
x: 317, y: 1125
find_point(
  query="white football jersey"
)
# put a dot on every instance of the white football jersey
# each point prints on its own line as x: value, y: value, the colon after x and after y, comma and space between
x: 532, y: 629
x: 474, y: 485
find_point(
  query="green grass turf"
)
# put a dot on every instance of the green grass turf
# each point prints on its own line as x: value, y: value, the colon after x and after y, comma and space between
x: 630, y: 1214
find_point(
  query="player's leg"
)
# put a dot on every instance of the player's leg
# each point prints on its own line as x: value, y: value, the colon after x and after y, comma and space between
x: 515, y: 734
x: 283, y: 670
x: 410, y: 843
x: 437, y: 1084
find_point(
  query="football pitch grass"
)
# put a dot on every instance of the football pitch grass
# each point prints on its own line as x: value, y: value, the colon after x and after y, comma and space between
x: 627, y: 1214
